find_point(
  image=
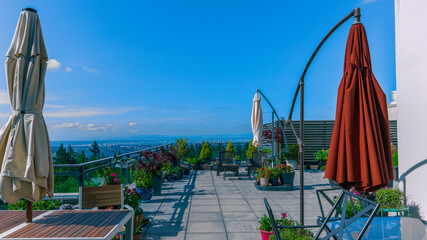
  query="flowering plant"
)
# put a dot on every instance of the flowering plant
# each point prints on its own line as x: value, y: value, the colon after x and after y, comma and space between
x: 110, y: 177
x: 263, y: 172
x: 284, y: 168
x: 291, y: 233
x: 131, y: 198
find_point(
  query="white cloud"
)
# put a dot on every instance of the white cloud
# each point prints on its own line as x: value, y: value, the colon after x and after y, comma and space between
x: 134, y: 130
x: 86, y: 127
x: 68, y: 69
x: 53, y: 64
x: 131, y: 124
x: 91, y: 70
x: 4, y: 97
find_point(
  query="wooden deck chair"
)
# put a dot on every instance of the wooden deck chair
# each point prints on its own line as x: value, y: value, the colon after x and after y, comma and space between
x: 105, y: 196
x: 335, y: 223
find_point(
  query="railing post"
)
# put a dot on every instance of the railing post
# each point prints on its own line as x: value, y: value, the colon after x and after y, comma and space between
x: 127, y: 171
x: 81, y: 177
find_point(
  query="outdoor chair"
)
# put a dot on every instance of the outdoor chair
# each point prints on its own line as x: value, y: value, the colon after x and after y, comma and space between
x: 103, y: 196
x: 259, y: 159
x: 335, y: 224
x: 225, y: 163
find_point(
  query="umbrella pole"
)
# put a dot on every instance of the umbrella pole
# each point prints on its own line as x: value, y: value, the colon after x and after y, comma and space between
x: 29, y: 212
x: 300, y: 89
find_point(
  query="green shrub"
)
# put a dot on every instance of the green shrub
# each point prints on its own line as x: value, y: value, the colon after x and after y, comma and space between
x: 389, y: 198
x: 265, y: 223
x: 323, y: 168
x: 230, y: 147
x: 292, y: 154
x: 395, y: 156
x: 205, y: 153
x: 40, y: 205
x: 66, y: 184
x: 142, y: 179
x: 321, y: 155
x: 251, y: 149
x: 195, y: 160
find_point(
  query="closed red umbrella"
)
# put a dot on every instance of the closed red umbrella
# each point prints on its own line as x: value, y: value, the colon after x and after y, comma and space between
x: 360, y: 149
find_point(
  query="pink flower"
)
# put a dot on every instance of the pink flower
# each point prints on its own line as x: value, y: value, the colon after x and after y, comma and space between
x: 116, y: 180
x: 357, y: 193
x: 284, y: 215
x: 113, y: 175
x: 128, y: 190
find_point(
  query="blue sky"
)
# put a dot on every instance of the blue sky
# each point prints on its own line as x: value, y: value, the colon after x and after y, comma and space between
x: 132, y: 68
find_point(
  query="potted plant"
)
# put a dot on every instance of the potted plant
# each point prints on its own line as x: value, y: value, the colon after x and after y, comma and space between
x: 275, y: 175
x: 265, y: 227
x: 153, y: 163
x: 321, y: 157
x: 144, y: 184
x: 395, y: 156
x: 263, y: 175
x: 389, y: 198
x: 185, y: 169
x: 291, y: 233
x: 287, y: 174
x: 236, y: 160
x: 195, y: 163
x: 132, y: 198
x: 251, y: 149
x: 292, y: 155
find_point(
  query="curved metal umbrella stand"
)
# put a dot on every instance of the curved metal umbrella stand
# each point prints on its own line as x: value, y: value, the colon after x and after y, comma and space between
x: 300, y: 90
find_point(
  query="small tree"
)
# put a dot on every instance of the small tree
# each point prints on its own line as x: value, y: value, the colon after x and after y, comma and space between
x: 251, y: 149
x: 61, y: 155
x: 96, y: 152
x: 230, y: 147
x: 181, y: 147
x: 205, y: 153
x: 81, y: 158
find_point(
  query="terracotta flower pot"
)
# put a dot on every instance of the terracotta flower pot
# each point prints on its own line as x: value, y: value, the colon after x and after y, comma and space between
x: 265, y: 235
x: 263, y: 181
x: 137, y: 220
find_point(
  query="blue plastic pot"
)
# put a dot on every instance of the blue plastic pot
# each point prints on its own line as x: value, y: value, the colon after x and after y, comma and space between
x: 145, y: 194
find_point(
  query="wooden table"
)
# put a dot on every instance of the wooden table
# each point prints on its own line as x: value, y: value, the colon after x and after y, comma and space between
x: 66, y: 224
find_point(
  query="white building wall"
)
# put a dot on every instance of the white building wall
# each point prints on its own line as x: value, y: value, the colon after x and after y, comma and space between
x: 411, y: 77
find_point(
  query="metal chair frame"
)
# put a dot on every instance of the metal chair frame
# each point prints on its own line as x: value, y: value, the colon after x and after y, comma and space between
x: 339, y: 208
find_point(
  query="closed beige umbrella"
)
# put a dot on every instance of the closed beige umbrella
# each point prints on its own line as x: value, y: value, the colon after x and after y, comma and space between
x: 256, y: 121
x: 26, y: 169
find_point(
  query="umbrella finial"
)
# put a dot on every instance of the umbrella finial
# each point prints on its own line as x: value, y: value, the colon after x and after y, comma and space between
x: 30, y: 9
x: 357, y: 15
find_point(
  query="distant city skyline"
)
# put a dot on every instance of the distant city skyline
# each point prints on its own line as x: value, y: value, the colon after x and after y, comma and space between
x: 190, y: 68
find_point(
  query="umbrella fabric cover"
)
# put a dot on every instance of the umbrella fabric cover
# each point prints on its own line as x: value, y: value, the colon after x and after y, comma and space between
x: 256, y: 121
x: 360, y: 149
x: 25, y: 155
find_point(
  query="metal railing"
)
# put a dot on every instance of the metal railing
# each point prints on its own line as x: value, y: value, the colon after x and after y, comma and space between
x: 126, y: 160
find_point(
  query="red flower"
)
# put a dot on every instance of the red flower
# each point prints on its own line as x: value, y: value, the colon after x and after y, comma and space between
x: 268, y: 172
x: 262, y: 169
x: 284, y: 215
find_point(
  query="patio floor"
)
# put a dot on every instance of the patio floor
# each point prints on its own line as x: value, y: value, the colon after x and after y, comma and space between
x: 204, y: 206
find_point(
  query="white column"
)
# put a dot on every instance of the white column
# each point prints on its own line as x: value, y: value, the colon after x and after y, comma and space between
x: 411, y: 78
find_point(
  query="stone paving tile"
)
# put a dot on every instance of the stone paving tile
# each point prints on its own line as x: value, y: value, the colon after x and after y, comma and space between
x: 241, y: 226
x: 167, y: 236
x: 165, y: 227
x: 245, y: 236
x: 235, y: 208
x: 206, y: 236
x: 206, y: 202
x: 204, y: 208
x: 205, y: 217
x: 205, y: 227
x: 243, y: 216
